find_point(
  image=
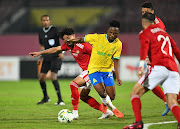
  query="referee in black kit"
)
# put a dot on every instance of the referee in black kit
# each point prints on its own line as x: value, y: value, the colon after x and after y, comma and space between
x: 48, y: 38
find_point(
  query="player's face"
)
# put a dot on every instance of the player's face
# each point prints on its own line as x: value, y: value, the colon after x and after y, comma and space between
x: 45, y: 21
x: 112, y: 33
x: 69, y: 37
x: 145, y: 10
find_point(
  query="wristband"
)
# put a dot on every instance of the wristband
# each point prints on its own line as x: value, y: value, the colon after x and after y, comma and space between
x: 141, y: 63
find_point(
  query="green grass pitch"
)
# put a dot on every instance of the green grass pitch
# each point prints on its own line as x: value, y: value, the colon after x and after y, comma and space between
x: 18, y: 109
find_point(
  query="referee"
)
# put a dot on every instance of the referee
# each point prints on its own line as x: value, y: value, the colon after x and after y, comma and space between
x: 48, y: 38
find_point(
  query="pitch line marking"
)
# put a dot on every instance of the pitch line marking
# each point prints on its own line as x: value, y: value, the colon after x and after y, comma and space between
x: 165, y: 122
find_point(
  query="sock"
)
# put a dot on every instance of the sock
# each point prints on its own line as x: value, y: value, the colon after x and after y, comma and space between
x: 176, y: 111
x: 57, y: 88
x: 107, y: 101
x: 74, y: 95
x: 178, y: 98
x: 92, y: 103
x: 159, y: 93
x: 43, y: 87
x: 136, y: 106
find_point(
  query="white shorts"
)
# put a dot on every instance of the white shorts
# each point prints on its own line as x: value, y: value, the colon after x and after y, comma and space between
x: 161, y: 75
x: 85, y: 76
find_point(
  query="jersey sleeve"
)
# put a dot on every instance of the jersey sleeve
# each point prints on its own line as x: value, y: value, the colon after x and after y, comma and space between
x: 144, y: 40
x: 176, y: 50
x: 64, y: 47
x: 91, y: 38
x: 117, y: 53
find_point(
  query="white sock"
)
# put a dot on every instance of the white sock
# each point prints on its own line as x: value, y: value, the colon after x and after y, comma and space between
x: 107, y: 101
x: 75, y: 111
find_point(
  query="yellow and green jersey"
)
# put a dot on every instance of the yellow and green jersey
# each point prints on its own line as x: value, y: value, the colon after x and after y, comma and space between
x: 103, y: 52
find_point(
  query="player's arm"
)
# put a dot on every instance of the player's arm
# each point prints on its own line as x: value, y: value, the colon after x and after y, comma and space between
x: 175, y: 49
x: 75, y: 40
x: 116, y: 70
x: 47, y: 51
x: 143, y: 54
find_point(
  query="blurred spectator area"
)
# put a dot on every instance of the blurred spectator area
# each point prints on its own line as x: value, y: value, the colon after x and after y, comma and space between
x: 76, y: 17
x: 86, y: 16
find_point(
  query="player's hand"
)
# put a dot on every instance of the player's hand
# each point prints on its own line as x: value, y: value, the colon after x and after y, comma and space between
x: 140, y: 72
x: 118, y: 82
x: 39, y: 61
x: 35, y: 54
x: 61, y: 56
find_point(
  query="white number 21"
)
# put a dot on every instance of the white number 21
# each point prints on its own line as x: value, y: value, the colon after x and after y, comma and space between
x: 166, y: 40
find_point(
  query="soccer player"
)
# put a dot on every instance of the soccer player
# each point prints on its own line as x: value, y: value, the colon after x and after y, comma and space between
x: 161, y: 48
x: 148, y: 7
x: 48, y: 38
x: 82, y: 54
x: 105, y: 53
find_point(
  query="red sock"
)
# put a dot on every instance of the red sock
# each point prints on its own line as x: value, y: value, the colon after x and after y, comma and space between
x: 176, y: 111
x: 159, y: 93
x: 178, y: 98
x: 136, y: 106
x: 94, y: 104
x: 74, y: 95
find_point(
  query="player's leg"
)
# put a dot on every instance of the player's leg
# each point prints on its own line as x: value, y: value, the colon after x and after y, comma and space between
x: 137, y: 91
x: 171, y: 89
x: 42, y: 77
x: 159, y: 93
x: 74, y: 85
x: 55, y: 66
x: 178, y: 98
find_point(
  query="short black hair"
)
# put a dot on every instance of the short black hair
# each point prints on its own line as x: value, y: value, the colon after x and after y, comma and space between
x: 45, y: 15
x: 147, y: 5
x: 114, y: 23
x: 66, y: 31
x: 149, y: 16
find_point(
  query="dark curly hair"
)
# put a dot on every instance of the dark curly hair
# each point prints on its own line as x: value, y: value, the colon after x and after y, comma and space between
x: 66, y: 31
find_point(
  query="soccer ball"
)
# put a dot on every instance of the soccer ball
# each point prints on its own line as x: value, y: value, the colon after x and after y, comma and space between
x: 65, y: 116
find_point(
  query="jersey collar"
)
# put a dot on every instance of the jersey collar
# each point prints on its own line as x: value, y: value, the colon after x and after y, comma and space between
x: 47, y: 29
x: 108, y: 40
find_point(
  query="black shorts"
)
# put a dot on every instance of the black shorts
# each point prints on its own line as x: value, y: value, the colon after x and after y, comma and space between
x: 53, y: 65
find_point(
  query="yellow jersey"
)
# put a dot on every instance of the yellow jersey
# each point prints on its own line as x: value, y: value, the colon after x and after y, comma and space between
x: 103, y: 52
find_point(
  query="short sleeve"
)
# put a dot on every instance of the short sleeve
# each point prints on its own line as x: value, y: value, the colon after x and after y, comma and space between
x: 117, y: 53
x: 91, y: 38
x: 64, y: 47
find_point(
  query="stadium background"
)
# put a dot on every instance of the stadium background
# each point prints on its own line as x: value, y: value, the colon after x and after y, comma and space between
x: 20, y: 23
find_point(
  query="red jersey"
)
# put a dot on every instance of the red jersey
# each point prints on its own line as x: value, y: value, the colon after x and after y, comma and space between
x: 160, y: 47
x: 81, y: 53
x: 160, y: 23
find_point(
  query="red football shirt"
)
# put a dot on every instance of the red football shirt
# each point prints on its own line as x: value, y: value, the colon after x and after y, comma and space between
x: 81, y: 53
x: 160, y: 23
x: 160, y: 47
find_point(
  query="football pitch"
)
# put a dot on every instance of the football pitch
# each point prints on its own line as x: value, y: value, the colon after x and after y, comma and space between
x: 18, y: 109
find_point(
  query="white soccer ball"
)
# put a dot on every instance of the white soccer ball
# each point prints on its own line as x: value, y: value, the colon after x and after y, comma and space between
x: 65, y: 116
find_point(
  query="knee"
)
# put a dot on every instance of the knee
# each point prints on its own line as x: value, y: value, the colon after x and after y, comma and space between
x: 41, y: 78
x: 53, y: 77
x: 102, y: 93
x: 112, y: 97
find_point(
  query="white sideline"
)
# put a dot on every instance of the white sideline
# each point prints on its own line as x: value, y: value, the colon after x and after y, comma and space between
x: 165, y: 122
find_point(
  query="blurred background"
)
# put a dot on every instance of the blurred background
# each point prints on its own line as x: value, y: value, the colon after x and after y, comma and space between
x: 20, y: 24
